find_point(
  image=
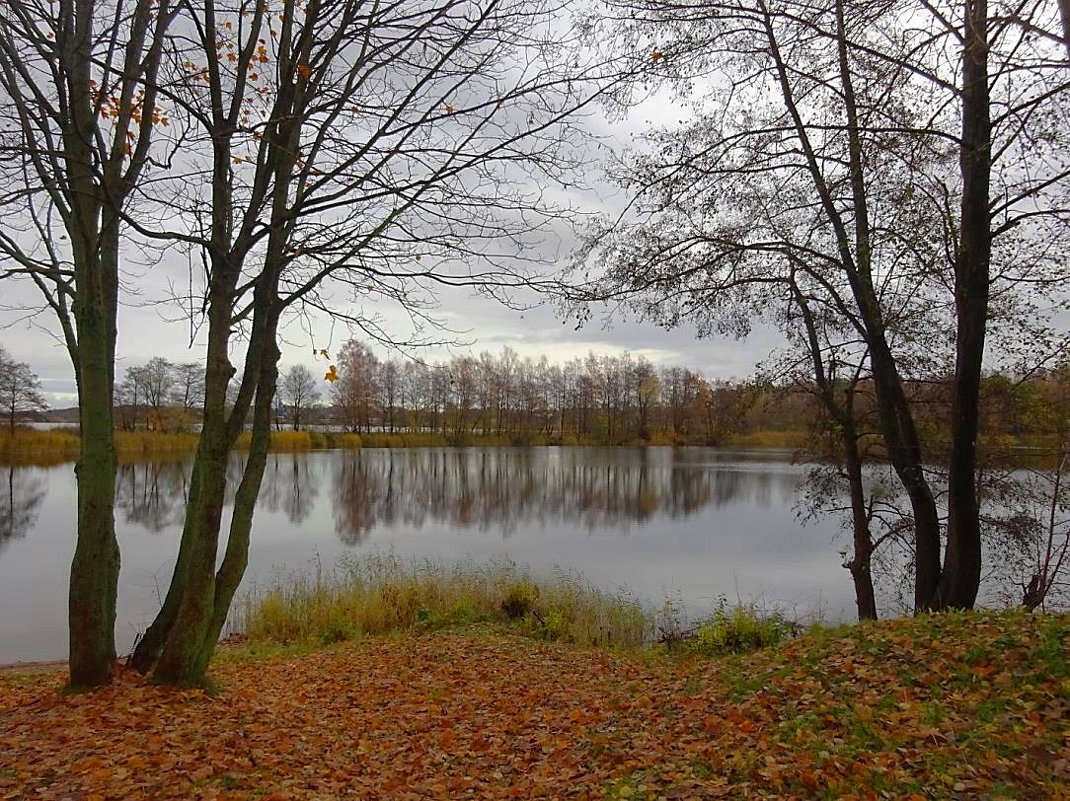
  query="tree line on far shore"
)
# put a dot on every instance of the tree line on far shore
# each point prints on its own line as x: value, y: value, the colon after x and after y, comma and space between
x: 598, y: 399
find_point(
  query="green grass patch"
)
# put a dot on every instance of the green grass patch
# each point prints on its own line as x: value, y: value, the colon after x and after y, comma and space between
x: 738, y: 629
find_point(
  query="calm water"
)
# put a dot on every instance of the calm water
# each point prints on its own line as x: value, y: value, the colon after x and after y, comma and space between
x: 690, y: 524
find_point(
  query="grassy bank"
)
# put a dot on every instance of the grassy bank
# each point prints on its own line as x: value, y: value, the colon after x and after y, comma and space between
x: 964, y: 706
x: 377, y: 594
x: 57, y: 445
x: 53, y: 446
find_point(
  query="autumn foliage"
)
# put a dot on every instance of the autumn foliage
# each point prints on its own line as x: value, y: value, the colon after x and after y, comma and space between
x: 959, y: 706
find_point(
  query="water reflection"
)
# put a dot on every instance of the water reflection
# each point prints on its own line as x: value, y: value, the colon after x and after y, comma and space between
x: 23, y: 491
x: 687, y: 523
x: 291, y: 486
x: 509, y: 489
x: 152, y: 495
x: 502, y: 489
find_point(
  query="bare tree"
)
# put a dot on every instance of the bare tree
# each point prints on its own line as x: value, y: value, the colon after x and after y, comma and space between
x: 353, y: 151
x: 188, y: 391
x: 78, y: 103
x: 299, y: 391
x: 20, y: 389
x: 354, y: 393
x: 863, y: 188
x: 158, y: 381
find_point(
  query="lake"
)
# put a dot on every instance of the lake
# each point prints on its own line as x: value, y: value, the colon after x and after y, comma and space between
x: 686, y: 524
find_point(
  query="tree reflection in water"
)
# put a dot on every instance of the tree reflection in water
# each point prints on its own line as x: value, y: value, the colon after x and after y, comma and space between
x: 152, y: 495
x: 291, y: 485
x: 504, y: 489
x: 507, y: 488
x: 20, y: 500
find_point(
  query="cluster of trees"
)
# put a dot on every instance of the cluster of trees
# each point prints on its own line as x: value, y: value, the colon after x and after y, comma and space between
x: 886, y: 183
x: 600, y: 399
x: 160, y: 395
x: 608, y: 399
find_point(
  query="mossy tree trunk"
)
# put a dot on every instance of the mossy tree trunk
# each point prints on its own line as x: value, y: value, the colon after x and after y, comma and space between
x: 95, y: 566
x: 203, y: 601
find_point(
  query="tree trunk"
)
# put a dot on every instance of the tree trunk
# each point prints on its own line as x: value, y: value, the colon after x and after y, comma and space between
x: 962, y: 559
x: 842, y: 415
x: 95, y: 567
x: 201, y: 612
x: 204, y: 507
x: 904, y: 452
x: 236, y: 557
x: 861, y: 566
x: 853, y: 242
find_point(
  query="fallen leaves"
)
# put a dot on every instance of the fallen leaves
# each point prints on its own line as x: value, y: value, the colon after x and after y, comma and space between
x: 491, y: 716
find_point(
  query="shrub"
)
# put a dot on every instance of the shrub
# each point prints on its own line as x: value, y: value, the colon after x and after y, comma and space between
x: 552, y: 627
x: 739, y: 629
x: 520, y: 599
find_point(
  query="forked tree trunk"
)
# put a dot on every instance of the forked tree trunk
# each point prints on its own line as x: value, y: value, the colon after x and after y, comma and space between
x: 204, y: 504
x: 236, y: 558
x: 203, y: 603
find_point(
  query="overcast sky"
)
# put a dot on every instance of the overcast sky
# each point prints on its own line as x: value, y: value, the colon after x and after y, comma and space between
x: 148, y: 329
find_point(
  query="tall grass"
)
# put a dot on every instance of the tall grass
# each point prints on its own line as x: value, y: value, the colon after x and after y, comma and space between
x: 61, y: 444
x: 381, y: 593
x: 770, y: 439
x: 409, y: 439
x: 280, y: 441
x: 133, y: 444
x: 38, y: 446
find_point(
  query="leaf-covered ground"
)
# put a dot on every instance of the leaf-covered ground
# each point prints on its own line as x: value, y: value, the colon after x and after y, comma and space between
x: 968, y: 707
